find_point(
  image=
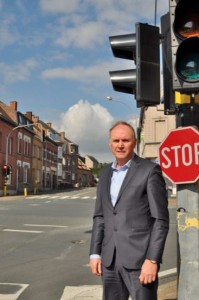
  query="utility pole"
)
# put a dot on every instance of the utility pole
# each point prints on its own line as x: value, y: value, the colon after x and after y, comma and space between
x: 180, y: 38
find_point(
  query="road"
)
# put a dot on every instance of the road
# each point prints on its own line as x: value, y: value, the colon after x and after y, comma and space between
x: 44, y: 245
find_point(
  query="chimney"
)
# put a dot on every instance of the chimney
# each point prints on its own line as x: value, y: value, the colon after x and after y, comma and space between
x: 35, y: 119
x: 13, y: 105
x: 49, y: 124
x: 62, y: 135
x: 28, y: 115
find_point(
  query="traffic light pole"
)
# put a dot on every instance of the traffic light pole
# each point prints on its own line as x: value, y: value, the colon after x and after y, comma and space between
x: 188, y: 240
x: 188, y: 225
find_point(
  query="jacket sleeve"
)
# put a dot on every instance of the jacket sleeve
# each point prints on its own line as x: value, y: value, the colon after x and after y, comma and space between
x: 98, y: 225
x: 158, y: 203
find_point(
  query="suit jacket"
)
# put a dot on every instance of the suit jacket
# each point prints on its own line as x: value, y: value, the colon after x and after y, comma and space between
x: 137, y: 226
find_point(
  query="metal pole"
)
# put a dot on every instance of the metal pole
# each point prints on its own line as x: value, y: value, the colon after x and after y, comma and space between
x: 188, y: 241
x: 155, y: 12
x: 188, y: 225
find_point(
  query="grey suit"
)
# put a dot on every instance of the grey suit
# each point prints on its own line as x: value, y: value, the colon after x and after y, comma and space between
x: 137, y: 226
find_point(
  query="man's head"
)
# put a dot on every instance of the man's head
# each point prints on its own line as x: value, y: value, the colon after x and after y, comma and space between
x: 122, y: 141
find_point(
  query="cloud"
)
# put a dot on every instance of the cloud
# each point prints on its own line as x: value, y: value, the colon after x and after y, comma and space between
x: 8, y: 32
x: 97, y: 73
x: 59, y: 6
x: 21, y: 71
x: 85, y: 35
x: 88, y: 126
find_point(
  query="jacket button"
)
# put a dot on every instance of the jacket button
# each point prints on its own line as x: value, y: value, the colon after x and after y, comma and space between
x: 114, y: 213
x: 115, y: 229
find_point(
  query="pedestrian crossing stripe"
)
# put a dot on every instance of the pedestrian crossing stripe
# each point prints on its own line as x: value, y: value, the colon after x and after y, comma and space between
x: 61, y: 197
x: 11, y: 291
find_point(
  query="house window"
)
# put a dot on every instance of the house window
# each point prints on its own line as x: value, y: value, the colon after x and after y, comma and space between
x: 19, y: 146
x: 10, y: 146
x: 26, y: 168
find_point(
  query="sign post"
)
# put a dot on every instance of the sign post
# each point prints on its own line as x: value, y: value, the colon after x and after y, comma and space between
x: 179, y: 160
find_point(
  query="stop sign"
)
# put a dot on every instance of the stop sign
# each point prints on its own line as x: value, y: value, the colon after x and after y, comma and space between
x: 179, y: 155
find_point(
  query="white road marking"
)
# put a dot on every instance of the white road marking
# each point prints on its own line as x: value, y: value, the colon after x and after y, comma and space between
x: 44, y: 225
x: 22, y: 231
x: 82, y: 292
x: 167, y: 272
x: 95, y: 291
x: 13, y: 296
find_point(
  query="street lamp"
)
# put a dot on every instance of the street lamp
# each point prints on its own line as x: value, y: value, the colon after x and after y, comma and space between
x: 110, y: 98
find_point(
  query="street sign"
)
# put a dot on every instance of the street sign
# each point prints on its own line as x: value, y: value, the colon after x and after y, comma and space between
x: 179, y: 155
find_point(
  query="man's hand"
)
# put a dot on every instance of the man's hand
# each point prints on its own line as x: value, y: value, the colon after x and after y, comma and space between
x: 96, y: 266
x: 148, y: 272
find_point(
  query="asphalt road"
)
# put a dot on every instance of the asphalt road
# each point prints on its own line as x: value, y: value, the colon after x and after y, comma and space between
x: 44, y: 244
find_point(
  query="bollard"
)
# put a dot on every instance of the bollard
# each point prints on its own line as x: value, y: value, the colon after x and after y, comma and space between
x: 25, y: 192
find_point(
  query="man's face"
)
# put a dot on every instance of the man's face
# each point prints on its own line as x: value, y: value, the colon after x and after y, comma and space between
x: 122, y: 143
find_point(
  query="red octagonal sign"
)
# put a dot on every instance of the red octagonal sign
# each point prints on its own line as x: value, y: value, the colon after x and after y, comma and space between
x: 179, y: 155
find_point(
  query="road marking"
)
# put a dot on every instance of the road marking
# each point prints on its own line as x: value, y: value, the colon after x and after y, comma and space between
x: 167, y: 272
x: 85, y: 197
x: 22, y: 231
x: 82, y: 292
x: 17, y: 289
x: 45, y: 225
x: 64, y: 197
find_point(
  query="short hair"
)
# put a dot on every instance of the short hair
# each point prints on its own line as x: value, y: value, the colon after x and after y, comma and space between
x: 123, y: 123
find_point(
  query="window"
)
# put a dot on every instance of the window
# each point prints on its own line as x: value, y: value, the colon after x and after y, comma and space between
x: 19, y: 146
x: 10, y: 146
x: 25, y: 173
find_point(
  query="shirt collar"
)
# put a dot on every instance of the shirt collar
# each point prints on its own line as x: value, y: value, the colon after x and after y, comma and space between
x: 124, y: 167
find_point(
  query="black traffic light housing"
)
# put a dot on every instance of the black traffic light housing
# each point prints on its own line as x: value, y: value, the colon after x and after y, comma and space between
x: 142, y: 47
x: 184, y: 24
x: 6, y: 170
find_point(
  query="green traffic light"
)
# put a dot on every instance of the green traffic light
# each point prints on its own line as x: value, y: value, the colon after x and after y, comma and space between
x: 187, y: 60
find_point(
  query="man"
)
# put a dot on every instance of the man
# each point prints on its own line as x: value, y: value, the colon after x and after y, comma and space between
x: 130, y: 222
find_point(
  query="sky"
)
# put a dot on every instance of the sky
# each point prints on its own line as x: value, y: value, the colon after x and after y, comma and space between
x: 55, y: 59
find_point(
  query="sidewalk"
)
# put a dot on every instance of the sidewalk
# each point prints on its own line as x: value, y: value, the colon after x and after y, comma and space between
x: 166, y: 291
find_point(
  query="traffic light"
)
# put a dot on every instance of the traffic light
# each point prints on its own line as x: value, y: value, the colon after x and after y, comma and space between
x: 142, y: 47
x: 5, y: 170
x: 184, y: 24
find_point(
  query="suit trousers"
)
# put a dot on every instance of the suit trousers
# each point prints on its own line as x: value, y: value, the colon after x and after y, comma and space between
x: 119, y: 283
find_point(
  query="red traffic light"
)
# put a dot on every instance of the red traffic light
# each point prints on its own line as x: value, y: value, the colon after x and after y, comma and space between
x: 6, y: 170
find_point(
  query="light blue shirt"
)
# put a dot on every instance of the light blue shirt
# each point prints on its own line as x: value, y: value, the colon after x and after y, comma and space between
x: 117, y: 180
x: 116, y: 183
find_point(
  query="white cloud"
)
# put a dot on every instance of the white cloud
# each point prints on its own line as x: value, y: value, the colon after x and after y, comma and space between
x: 21, y: 71
x: 97, y: 73
x: 8, y: 32
x: 88, y: 126
x: 84, y: 35
x: 59, y: 6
